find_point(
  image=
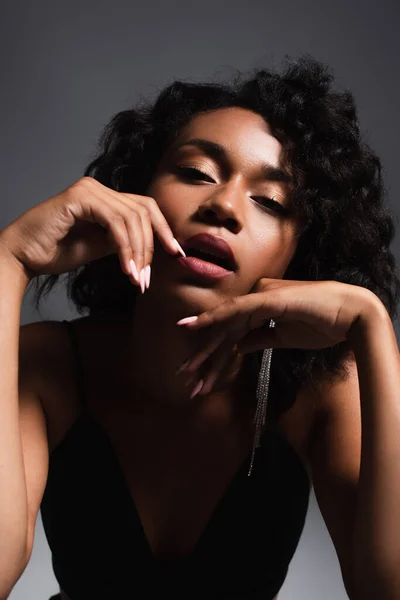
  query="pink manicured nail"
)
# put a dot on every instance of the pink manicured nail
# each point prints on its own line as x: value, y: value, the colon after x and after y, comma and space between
x: 206, y: 388
x: 142, y: 282
x: 182, y: 367
x: 178, y: 246
x: 197, y: 388
x: 148, y: 271
x: 134, y: 270
x: 187, y: 320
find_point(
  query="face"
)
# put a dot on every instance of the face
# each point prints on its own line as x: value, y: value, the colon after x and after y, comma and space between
x: 239, y: 193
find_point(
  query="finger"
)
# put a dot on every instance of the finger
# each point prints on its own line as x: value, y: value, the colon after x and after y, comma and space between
x: 251, y: 310
x: 219, y: 360
x: 137, y: 225
x: 239, y: 307
x: 211, y: 368
x: 159, y: 224
x: 148, y: 245
x: 97, y: 209
x: 99, y: 204
x: 199, y: 357
x: 147, y: 230
x: 158, y: 221
x: 219, y: 344
x: 135, y: 231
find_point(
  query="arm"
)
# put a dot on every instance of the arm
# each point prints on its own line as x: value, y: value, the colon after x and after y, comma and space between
x: 358, y: 424
x: 16, y: 418
x: 13, y: 498
x: 376, y: 527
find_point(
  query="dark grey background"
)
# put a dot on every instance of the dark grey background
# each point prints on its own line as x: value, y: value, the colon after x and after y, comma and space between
x: 66, y: 68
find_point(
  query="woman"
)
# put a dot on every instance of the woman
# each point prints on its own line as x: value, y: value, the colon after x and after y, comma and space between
x: 257, y: 208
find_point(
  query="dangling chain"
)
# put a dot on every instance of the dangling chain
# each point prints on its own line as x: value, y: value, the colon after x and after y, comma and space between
x: 262, y: 397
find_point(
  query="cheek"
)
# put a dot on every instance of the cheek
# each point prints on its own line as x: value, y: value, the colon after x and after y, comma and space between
x: 155, y: 190
x: 272, y: 253
x: 170, y: 200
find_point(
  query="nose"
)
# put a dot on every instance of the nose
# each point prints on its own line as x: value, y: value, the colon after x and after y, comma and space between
x: 226, y: 206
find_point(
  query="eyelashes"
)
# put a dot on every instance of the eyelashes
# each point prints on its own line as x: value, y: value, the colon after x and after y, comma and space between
x: 193, y: 173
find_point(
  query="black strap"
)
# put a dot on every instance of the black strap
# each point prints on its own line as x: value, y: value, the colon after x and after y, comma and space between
x: 78, y: 361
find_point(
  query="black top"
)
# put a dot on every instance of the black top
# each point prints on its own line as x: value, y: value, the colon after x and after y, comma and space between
x: 99, y: 548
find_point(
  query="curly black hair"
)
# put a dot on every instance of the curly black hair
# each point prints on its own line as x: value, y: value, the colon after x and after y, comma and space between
x: 346, y: 226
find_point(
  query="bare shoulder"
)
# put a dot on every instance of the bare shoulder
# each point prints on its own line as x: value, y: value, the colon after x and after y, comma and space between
x: 41, y: 348
x: 46, y: 355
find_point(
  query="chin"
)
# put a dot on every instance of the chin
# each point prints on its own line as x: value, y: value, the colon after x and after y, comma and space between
x: 186, y: 296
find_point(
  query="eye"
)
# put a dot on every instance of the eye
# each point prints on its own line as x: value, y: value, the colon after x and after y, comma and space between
x: 193, y: 173
x: 273, y: 204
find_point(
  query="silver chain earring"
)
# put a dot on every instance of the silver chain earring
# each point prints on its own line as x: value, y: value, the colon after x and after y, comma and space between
x: 262, y: 398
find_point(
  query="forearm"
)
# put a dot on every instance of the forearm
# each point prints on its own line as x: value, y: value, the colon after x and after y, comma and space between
x: 376, y: 541
x: 13, y: 498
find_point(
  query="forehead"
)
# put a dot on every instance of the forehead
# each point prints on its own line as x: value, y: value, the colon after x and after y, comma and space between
x: 244, y: 134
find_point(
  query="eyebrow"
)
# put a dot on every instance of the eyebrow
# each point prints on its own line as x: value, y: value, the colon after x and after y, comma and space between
x: 219, y: 153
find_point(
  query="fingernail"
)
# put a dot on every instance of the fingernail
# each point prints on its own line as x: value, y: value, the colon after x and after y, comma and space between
x: 142, y: 283
x: 187, y: 320
x: 148, y: 271
x: 134, y: 270
x: 182, y: 366
x: 178, y: 246
x: 206, y: 388
x: 196, y: 390
x: 209, y: 382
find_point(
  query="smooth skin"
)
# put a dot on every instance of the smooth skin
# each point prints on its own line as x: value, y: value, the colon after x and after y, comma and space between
x: 230, y: 198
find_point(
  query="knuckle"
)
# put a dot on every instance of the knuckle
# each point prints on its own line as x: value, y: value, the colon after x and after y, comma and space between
x: 143, y: 211
x: 79, y: 187
x: 117, y: 225
x: 150, y: 201
x: 139, y: 252
x: 208, y: 317
x: 150, y: 250
x: 232, y: 302
x: 135, y: 214
x: 119, y: 234
x: 118, y: 220
x: 124, y: 246
x: 86, y: 181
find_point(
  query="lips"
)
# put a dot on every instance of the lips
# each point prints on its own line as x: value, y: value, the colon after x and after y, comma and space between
x: 204, y: 244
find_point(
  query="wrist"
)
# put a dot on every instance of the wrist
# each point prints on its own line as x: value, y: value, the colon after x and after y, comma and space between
x: 15, y: 270
x: 373, y: 316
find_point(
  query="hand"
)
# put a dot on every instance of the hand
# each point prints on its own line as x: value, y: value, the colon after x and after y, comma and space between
x: 308, y: 315
x: 83, y: 223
